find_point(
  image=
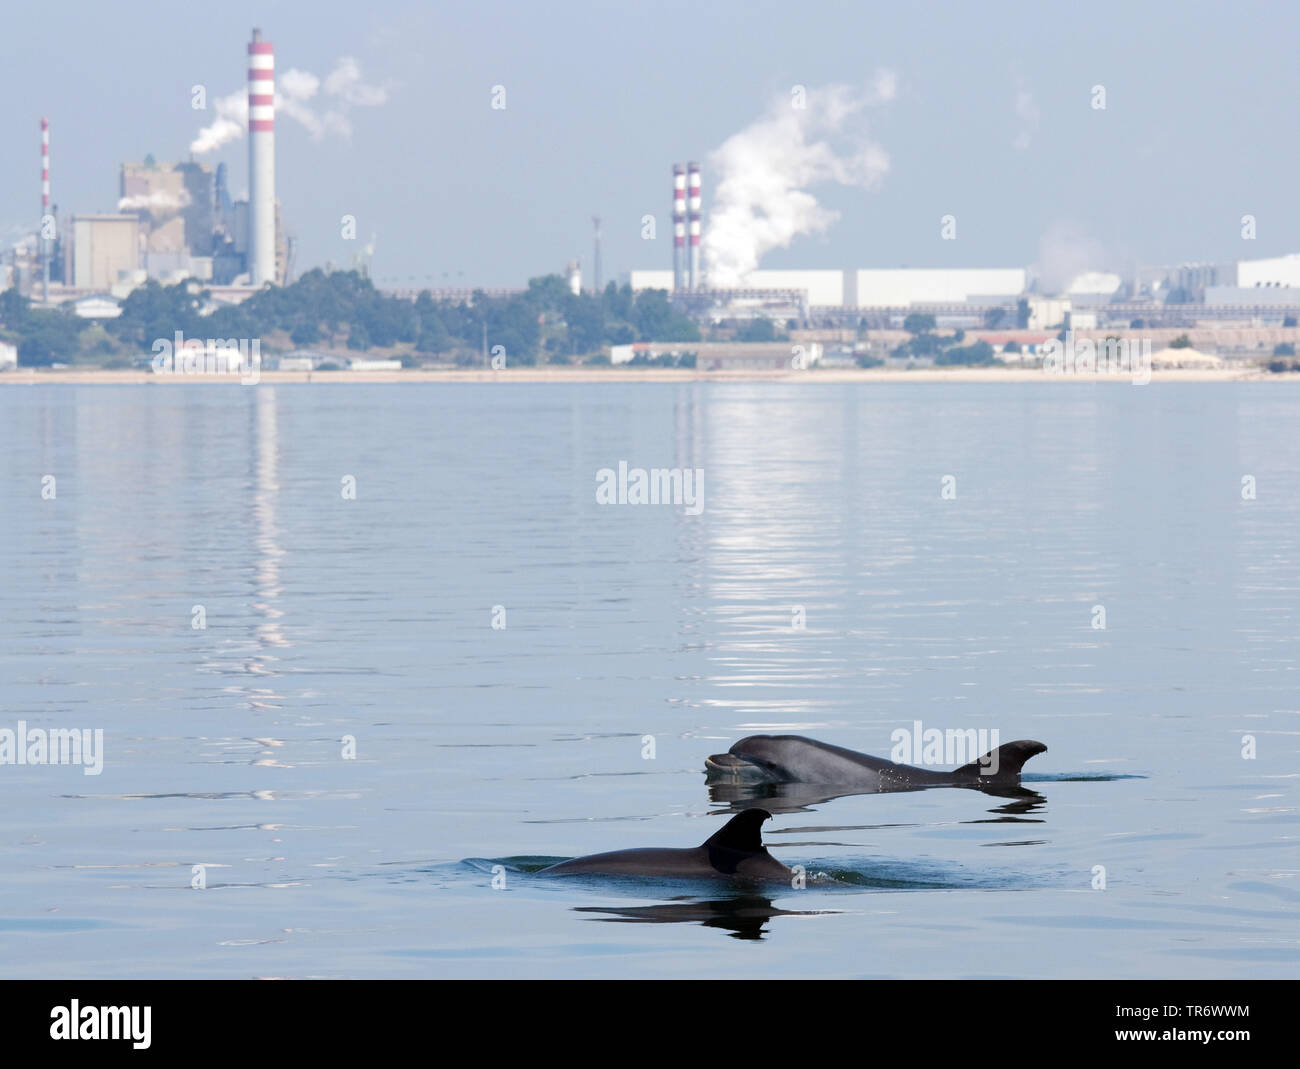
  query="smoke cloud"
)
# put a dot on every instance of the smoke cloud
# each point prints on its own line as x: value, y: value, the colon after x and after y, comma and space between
x: 762, y: 200
x: 159, y: 202
x: 321, y: 107
x: 1065, y: 251
x: 345, y: 83
x: 229, y: 125
x: 1027, y: 113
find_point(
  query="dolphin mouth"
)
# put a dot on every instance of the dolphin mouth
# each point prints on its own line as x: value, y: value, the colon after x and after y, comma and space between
x: 733, y: 768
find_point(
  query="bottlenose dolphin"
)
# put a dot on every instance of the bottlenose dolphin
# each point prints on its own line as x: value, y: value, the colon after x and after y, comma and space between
x: 762, y: 759
x: 735, y: 851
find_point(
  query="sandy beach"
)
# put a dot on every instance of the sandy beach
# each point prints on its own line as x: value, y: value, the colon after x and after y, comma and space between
x: 100, y: 377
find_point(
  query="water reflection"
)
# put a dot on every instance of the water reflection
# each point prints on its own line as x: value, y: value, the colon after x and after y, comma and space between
x: 803, y: 797
x: 742, y: 917
x: 253, y: 654
x: 266, y: 486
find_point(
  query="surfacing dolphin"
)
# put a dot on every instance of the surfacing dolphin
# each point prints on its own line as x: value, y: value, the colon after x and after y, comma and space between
x: 761, y: 759
x: 735, y: 851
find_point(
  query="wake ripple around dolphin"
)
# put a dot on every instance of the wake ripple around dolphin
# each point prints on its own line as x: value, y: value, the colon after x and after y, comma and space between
x: 825, y: 874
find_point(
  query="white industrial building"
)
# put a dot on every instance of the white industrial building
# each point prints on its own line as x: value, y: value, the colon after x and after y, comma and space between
x: 1049, y: 313
x: 726, y: 356
x: 650, y: 280
x: 875, y: 288
x: 824, y: 288
x: 103, y: 247
x: 97, y: 306
x: 1252, y: 296
x: 903, y: 287
x: 1277, y: 271
x: 884, y: 288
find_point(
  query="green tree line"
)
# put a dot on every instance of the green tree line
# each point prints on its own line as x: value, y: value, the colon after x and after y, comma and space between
x: 546, y: 322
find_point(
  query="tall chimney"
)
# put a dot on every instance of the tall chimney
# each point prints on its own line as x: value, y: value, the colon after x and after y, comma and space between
x: 261, y: 160
x: 693, y: 170
x: 679, y: 227
x: 42, y: 240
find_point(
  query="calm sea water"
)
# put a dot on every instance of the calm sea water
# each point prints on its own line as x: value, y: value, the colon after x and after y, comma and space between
x: 478, y: 745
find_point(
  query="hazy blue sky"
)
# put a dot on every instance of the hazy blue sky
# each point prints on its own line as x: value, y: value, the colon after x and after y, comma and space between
x: 992, y: 123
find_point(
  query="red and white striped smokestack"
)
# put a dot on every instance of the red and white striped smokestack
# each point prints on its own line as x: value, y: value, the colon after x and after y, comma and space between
x: 679, y: 227
x: 693, y: 170
x: 45, y: 168
x: 43, y: 241
x: 261, y: 160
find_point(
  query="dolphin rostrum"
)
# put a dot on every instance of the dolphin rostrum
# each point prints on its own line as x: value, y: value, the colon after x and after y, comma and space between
x: 735, y: 851
x: 762, y: 759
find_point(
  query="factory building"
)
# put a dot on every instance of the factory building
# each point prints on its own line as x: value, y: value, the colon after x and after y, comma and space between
x: 1189, y: 279
x: 191, y: 227
x: 824, y: 288
x: 652, y: 280
x: 725, y: 356
x: 900, y: 288
x: 174, y: 202
x: 1051, y: 313
x: 821, y: 287
x: 173, y: 220
x: 904, y: 287
x: 106, y: 249
x: 1278, y: 271
x: 1279, y: 297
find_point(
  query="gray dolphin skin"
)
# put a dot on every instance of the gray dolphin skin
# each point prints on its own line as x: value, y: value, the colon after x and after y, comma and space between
x: 734, y: 852
x: 761, y: 759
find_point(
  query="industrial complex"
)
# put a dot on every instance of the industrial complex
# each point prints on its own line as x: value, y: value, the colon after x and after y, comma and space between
x: 175, y: 221
x: 1261, y: 291
x: 1267, y: 288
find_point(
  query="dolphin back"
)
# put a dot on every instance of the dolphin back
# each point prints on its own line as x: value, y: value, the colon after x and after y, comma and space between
x: 735, y: 850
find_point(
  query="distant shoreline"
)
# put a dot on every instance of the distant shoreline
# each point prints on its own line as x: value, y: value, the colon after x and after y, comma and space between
x: 100, y: 377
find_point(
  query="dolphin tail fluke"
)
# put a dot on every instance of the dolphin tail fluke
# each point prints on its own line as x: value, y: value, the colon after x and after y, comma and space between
x: 1002, y: 763
x: 742, y: 832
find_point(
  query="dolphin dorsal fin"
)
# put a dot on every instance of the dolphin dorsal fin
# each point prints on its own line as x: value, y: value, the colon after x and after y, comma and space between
x: 1011, y: 756
x: 742, y: 832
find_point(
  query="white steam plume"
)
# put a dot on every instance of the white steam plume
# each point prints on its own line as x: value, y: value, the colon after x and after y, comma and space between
x: 346, y: 83
x: 761, y: 201
x: 321, y: 108
x: 1027, y: 112
x: 1065, y: 251
x: 230, y: 123
x: 159, y: 203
